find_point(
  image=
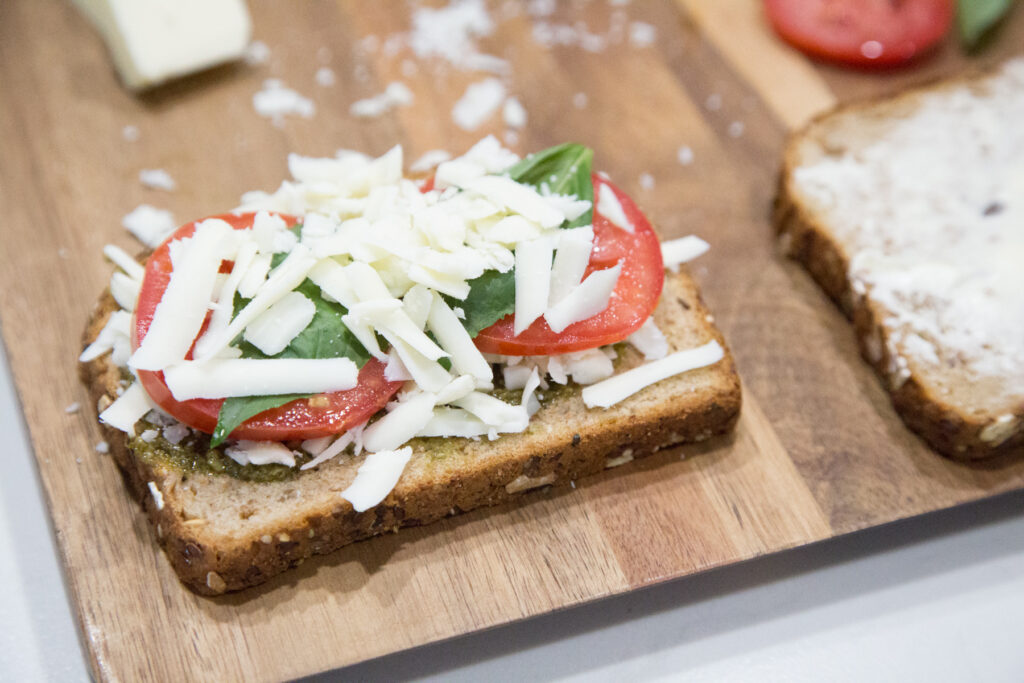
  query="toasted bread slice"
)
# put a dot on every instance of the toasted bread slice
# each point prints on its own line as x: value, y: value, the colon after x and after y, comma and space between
x: 223, y: 534
x: 909, y: 212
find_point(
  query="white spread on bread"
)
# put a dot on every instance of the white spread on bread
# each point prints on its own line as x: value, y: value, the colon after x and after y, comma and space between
x: 934, y: 233
x: 395, y: 257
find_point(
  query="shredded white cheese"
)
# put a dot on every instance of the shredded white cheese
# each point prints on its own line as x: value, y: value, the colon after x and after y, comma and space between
x: 614, y: 389
x: 376, y: 477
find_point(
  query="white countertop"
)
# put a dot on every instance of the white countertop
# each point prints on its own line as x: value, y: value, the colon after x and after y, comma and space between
x: 937, y: 598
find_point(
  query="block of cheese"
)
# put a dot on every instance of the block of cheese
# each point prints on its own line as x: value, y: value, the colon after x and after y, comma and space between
x: 152, y: 41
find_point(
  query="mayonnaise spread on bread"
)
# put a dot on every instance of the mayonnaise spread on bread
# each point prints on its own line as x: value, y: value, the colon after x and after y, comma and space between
x: 929, y: 211
x: 400, y: 261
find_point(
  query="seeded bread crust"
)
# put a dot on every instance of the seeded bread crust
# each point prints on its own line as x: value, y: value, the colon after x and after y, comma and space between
x: 222, y: 534
x: 956, y: 429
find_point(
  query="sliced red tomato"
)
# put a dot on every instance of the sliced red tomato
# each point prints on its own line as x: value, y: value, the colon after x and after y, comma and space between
x: 632, y: 302
x: 322, y: 415
x: 862, y: 32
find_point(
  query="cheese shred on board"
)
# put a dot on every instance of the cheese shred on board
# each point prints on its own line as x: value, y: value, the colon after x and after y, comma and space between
x: 351, y: 262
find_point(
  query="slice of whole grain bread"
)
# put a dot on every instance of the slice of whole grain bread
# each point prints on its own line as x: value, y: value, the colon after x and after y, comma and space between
x: 223, y: 534
x: 909, y: 212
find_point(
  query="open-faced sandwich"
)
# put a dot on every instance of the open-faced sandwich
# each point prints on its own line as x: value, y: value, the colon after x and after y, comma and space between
x: 359, y: 351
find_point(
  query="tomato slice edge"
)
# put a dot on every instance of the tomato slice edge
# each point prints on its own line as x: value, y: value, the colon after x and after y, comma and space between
x: 633, y: 300
x: 296, y: 420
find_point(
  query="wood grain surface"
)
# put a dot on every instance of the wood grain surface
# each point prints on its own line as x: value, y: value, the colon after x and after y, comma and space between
x: 818, y: 452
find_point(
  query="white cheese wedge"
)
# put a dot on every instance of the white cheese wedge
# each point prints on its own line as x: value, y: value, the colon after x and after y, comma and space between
x: 376, y: 478
x: 282, y: 280
x: 260, y: 453
x: 129, y: 408
x: 521, y: 199
x: 585, y: 300
x: 182, y: 310
x: 152, y: 41
x: 533, y: 280
x: 609, y: 206
x: 275, y: 328
x: 615, y: 389
x: 401, y: 424
x: 675, y: 252
x: 220, y: 378
x: 453, y: 338
x: 571, y: 259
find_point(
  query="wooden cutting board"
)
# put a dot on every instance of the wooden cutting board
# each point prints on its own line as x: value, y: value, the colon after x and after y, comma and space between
x: 818, y: 451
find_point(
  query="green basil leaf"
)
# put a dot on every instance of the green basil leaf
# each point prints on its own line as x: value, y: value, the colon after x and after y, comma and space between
x: 492, y: 296
x: 975, y: 18
x: 238, y: 409
x: 326, y: 336
x: 565, y: 169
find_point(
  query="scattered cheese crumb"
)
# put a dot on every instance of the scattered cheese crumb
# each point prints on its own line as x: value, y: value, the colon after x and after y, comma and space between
x: 579, y: 100
x: 175, y: 433
x: 450, y: 33
x: 158, y: 179
x: 325, y: 76
x: 102, y: 447
x: 149, y: 224
x: 479, y: 102
x: 736, y: 129
x: 685, y: 155
x: 511, y: 138
x: 395, y: 95
x: 72, y: 408
x: 64, y: 253
x: 275, y: 101
x: 540, y: 8
x: 641, y: 34
x: 257, y: 53
x: 646, y: 181
x: 149, y: 435
x: 514, y: 114
x: 130, y: 133
x: 158, y: 497
x: 713, y: 102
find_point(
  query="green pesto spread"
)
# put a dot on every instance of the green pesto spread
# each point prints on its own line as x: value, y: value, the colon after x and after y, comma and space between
x: 194, y: 455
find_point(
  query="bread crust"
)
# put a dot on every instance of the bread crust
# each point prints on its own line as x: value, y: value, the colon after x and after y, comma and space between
x: 564, y: 443
x: 806, y: 238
